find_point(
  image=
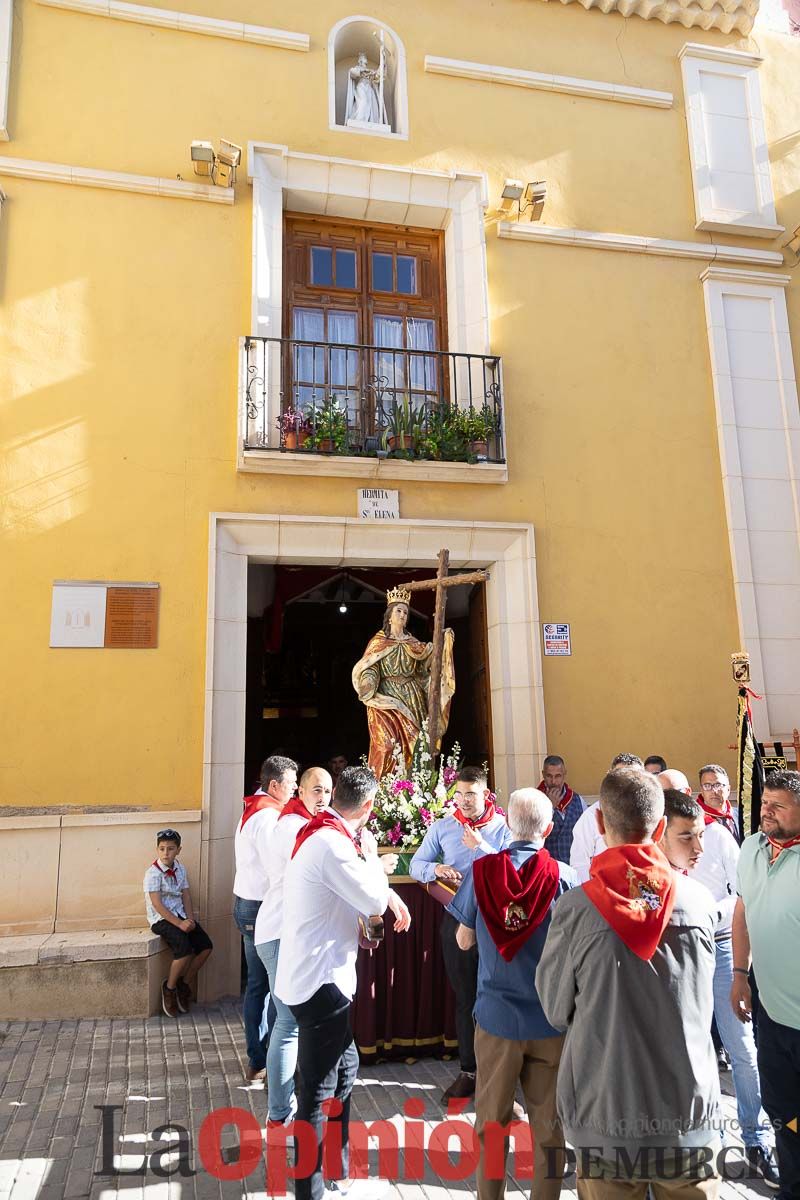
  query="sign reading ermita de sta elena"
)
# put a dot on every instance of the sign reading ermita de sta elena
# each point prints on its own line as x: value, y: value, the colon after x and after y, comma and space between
x: 378, y: 504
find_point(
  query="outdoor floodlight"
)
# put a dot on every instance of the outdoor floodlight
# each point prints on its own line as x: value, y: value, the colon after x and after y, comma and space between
x: 202, y: 158
x: 512, y: 191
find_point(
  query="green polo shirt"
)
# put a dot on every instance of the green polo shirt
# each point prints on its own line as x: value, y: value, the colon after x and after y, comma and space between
x: 771, y: 895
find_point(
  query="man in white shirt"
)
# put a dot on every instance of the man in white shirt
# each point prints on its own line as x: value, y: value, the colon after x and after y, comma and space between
x: 587, y: 840
x: 329, y: 883
x: 253, y: 829
x: 708, y: 853
x: 313, y: 795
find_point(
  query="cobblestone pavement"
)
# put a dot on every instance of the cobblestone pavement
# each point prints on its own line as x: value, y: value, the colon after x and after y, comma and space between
x: 55, y: 1076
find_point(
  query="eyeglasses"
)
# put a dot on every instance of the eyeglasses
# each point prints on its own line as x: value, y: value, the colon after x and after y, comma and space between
x: 715, y: 787
x: 168, y: 835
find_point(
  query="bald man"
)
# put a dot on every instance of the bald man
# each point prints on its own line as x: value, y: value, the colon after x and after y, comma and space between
x: 313, y: 795
x: 674, y: 779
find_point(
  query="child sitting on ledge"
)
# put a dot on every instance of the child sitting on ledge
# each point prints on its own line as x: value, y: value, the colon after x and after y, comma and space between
x: 169, y: 914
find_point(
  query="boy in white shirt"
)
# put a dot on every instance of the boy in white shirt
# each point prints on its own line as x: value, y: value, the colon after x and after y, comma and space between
x: 170, y: 914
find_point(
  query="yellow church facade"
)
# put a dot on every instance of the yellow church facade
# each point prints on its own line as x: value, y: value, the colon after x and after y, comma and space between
x: 573, y: 224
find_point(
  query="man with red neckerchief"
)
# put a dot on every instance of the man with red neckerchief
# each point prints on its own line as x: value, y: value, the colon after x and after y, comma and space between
x: 331, y: 881
x: 259, y: 816
x: 627, y: 970
x: 767, y: 920
x: 714, y: 798
x: 504, y: 905
x: 568, y: 806
x: 448, y: 849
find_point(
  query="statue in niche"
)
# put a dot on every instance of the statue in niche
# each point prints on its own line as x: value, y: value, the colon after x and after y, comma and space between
x: 365, y: 86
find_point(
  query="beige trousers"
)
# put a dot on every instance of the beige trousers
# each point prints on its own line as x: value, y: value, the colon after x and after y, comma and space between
x: 682, y: 1188
x: 502, y: 1064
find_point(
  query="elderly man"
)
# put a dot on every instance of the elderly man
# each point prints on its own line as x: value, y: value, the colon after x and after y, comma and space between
x: 673, y: 780
x: 703, y: 849
x: 767, y: 919
x: 447, y: 850
x: 504, y: 903
x: 567, y: 806
x: 259, y: 816
x: 715, y: 798
x: 587, y: 840
x: 627, y: 970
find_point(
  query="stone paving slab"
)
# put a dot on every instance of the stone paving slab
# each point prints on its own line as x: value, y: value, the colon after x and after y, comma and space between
x: 78, y: 1098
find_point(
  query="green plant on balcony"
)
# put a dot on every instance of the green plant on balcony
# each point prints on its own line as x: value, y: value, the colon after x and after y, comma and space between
x: 328, y: 426
x: 403, y: 426
x: 477, y: 426
x: 442, y: 438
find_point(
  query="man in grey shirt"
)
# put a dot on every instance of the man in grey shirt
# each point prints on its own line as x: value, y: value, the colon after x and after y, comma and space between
x: 627, y: 971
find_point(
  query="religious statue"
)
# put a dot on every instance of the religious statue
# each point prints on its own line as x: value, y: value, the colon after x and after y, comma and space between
x: 365, y: 85
x: 393, y: 681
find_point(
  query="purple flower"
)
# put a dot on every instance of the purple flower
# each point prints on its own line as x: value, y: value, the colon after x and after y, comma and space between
x: 395, y: 834
x: 402, y: 785
x: 450, y: 774
x: 427, y: 817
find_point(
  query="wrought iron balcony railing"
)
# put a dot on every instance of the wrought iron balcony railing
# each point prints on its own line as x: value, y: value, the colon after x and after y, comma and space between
x: 332, y: 398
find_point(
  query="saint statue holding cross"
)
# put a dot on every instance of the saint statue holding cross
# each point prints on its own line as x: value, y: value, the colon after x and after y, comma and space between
x: 403, y: 681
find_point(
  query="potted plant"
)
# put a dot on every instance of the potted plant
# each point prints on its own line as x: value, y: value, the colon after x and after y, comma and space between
x: 477, y: 426
x: 403, y: 425
x: 288, y: 423
x: 328, y: 426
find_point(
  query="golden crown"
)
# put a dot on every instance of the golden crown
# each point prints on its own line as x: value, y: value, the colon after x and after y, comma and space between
x: 398, y: 595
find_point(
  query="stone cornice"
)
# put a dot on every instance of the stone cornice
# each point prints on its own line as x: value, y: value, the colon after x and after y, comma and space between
x: 729, y: 16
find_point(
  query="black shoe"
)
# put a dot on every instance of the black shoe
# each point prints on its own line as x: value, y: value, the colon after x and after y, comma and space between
x: 723, y: 1062
x: 763, y: 1162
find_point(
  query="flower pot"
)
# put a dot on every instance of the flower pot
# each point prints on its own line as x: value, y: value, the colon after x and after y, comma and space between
x: 404, y: 442
x: 325, y: 445
x: 302, y: 437
x: 290, y: 441
x: 479, y: 449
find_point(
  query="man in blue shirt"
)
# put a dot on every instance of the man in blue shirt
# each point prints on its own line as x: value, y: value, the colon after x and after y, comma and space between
x: 505, y: 906
x: 447, y: 852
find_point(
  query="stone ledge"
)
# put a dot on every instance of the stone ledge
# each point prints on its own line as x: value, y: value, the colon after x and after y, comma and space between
x: 93, y: 946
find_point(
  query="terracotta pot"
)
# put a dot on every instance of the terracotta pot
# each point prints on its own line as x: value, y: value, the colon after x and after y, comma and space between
x: 479, y: 449
x: 302, y: 437
x: 406, y: 442
x: 290, y: 441
x: 326, y: 445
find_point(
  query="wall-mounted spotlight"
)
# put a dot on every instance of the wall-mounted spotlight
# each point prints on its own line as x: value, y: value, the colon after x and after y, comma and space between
x: 219, y: 166
x: 528, y: 197
x: 511, y: 193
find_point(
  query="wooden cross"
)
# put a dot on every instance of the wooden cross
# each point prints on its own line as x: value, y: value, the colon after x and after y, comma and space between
x: 441, y: 583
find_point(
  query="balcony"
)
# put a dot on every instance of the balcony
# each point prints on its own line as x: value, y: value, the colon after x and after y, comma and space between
x: 370, y: 411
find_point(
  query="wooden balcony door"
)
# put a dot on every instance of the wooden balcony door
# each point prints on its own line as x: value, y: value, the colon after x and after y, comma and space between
x: 359, y: 300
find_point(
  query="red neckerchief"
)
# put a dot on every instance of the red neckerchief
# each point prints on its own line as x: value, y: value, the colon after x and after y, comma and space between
x: 565, y: 800
x: 723, y: 816
x: 633, y: 889
x: 327, y: 819
x: 488, y: 813
x: 514, y: 902
x: 254, y: 804
x: 795, y: 841
x: 169, y: 871
x: 295, y: 807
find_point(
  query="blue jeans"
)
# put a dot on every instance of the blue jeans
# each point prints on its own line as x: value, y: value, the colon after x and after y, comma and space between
x: 256, y: 1009
x: 282, y: 1049
x: 738, y: 1041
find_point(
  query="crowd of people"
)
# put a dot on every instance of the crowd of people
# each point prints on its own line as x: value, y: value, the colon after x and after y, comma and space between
x: 590, y: 948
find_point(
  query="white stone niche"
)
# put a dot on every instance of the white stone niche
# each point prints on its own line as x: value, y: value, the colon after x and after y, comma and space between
x: 349, y: 38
